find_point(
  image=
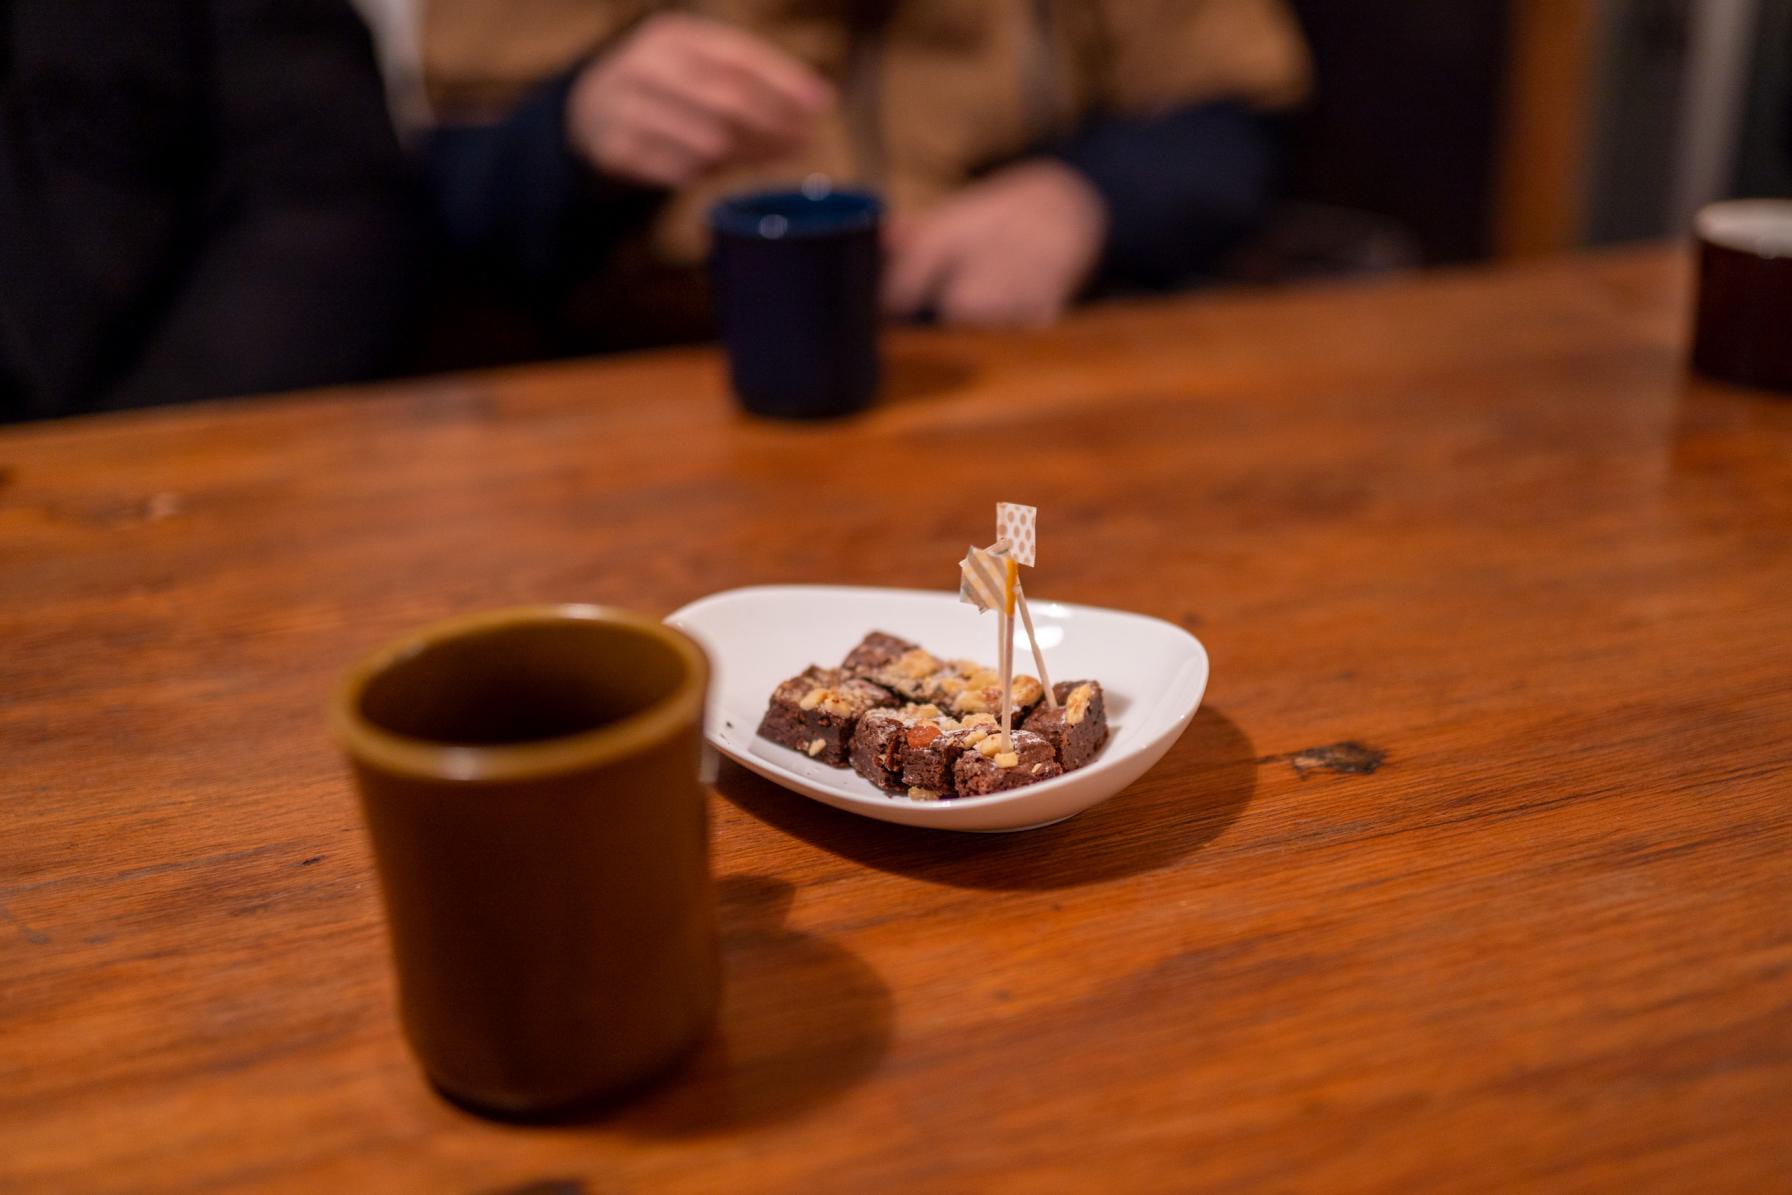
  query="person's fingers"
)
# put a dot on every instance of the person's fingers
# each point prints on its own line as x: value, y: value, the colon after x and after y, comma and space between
x: 665, y: 164
x: 916, y: 269
x: 652, y: 143
x: 694, y: 132
x: 754, y: 114
x: 965, y: 303
x: 983, y: 294
x: 760, y: 64
x: 900, y: 232
x: 708, y: 93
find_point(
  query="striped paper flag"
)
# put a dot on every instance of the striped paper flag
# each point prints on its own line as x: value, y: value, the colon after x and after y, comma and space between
x: 980, y: 576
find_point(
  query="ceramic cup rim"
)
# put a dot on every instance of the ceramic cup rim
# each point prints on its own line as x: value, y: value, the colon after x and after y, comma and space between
x: 727, y: 216
x: 1757, y: 227
x: 427, y: 759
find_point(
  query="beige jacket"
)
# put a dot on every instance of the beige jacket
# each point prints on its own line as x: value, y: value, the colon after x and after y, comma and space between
x: 936, y: 90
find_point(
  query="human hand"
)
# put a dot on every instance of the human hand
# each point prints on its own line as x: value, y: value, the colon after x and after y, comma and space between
x: 682, y: 96
x: 1012, y: 249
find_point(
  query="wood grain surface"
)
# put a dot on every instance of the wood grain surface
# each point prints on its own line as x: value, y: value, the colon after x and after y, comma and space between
x: 1475, y: 872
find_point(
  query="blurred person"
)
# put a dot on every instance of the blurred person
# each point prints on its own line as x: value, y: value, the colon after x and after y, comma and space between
x: 197, y: 198
x: 1028, y: 149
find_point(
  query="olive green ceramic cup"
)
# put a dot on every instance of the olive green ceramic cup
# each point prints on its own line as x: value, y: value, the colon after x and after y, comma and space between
x: 530, y: 783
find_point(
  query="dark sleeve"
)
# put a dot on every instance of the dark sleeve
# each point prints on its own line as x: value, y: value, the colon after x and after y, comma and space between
x: 1180, y: 188
x: 98, y: 144
x: 513, y: 197
x: 300, y: 273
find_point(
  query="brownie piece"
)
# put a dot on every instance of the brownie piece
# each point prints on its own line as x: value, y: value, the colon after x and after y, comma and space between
x: 876, y: 650
x: 986, y: 769
x: 880, y: 743
x: 907, y: 674
x: 955, y: 677
x: 1078, y: 727
x: 966, y: 687
x: 933, y: 751
x: 817, y: 712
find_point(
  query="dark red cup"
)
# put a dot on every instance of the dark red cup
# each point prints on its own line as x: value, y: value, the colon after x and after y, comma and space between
x: 1742, y: 328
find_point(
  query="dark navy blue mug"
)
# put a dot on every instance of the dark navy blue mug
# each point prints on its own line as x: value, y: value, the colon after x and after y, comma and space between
x: 796, y: 282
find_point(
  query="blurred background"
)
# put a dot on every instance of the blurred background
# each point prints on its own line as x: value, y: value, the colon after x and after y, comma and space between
x: 260, y: 227
x: 1445, y: 131
x: 1503, y: 128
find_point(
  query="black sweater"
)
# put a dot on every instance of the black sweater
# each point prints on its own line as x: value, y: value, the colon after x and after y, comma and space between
x: 197, y: 198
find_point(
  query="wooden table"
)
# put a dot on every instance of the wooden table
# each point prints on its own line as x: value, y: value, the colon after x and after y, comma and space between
x: 1480, y: 525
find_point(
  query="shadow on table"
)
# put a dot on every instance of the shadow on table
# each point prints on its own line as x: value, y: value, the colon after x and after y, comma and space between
x: 802, y: 1020
x: 1185, y: 802
x: 912, y: 375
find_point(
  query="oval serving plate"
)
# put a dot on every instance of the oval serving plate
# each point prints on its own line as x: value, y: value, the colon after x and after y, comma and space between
x: 1152, y: 674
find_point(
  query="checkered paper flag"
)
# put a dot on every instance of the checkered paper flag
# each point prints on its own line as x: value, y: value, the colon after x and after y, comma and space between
x: 989, y: 580
x: 1018, y: 525
x: 980, y: 576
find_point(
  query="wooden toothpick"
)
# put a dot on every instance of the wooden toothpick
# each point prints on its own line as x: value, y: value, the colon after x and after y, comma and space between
x: 1026, y: 617
x: 1010, y: 574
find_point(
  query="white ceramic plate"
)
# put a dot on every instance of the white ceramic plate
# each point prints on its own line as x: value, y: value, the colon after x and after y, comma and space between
x: 1152, y: 674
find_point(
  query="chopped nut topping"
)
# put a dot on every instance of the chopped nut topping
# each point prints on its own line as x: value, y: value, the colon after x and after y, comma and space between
x: 985, y: 697
x: 815, y: 748
x: 1077, y: 704
x: 976, y: 738
x: 836, y: 702
x: 972, y: 701
x: 1038, y: 768
x: 961, y: 677
x: 915, y: 664
x: 980, y: 720
x: 1007, y: 759
x: 924, y: 711
x: 917, y: 793
x: 989, y: 745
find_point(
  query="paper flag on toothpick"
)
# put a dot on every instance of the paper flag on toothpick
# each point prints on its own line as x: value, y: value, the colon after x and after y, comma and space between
x: 1017, y: 524
x: 1017, y: 527
x: 981, y: 575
